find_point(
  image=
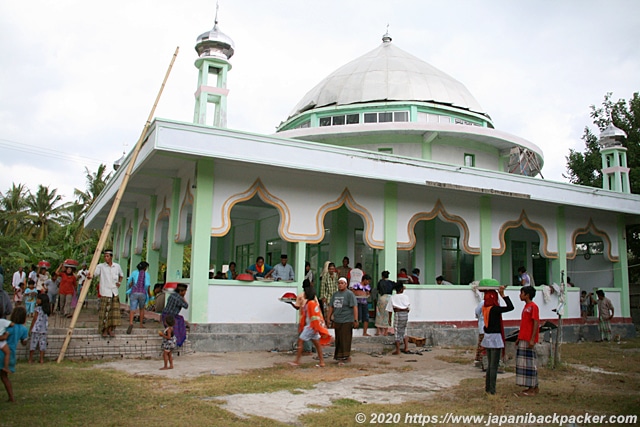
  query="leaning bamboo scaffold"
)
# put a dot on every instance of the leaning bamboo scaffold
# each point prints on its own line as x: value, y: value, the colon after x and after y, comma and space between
x: 112, y: 213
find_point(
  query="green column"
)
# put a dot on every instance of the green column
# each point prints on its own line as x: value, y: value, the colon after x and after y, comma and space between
x: 153, y: 257
x: 483, y: 264
x: 338, y: 248
x: 431, y: 246
x: 175, y: 251
x: 301, y: 251
x: 559, y: 264
x: 201, y: 240
x: 390, y: 256
x: 621, y: 271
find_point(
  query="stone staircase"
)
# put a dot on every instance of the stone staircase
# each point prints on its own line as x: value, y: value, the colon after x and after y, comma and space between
x: 86, y: 343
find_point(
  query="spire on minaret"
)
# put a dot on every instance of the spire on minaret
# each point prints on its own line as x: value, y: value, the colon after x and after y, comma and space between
x: 214, y: 49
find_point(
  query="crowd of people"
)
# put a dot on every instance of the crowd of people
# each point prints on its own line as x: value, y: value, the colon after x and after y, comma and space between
x: 341, y: 303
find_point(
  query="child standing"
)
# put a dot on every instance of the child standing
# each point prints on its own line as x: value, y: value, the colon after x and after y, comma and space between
x: 168, y: 342
x: 17, y: 332
x: 526, y: 358
x: 39, y: 327
x: 400, y: 305
x: 30, y: 295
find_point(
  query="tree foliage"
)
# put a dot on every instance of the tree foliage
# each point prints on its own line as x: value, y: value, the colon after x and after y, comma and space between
x: 585, y: 168
x: 36, y: 226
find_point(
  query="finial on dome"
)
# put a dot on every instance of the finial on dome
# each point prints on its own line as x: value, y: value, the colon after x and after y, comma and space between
x: 386, y: 38
x: 215, y: 43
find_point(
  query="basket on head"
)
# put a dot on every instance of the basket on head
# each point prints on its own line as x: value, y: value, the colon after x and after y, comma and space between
x: 44, y: 264
x: 488, y: 285
x: 70, y: 263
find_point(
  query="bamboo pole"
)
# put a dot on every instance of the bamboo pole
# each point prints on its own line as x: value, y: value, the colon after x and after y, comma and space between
x: 112, y: 213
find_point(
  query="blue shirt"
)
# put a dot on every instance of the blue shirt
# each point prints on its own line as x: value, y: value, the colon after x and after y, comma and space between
x: 267, y: 268
x: 282, y: 272
x: 16, y: 333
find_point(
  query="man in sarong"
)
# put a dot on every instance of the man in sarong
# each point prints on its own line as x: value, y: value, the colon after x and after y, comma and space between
x: 110, y: 275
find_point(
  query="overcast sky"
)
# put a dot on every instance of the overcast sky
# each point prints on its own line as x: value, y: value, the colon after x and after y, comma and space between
x: 78, y: 78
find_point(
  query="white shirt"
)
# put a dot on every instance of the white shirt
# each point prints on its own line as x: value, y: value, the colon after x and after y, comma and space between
x: 400, y: 301
x: 82, y: 275
x: 355, y: 276
x: 109, y: 276
x: 18, y: 279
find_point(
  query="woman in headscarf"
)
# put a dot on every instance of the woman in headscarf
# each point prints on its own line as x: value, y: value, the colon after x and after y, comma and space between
x: 493, y: 340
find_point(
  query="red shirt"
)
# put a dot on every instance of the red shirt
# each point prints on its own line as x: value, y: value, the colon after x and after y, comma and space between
x: 529, y: 314
x: 67, y: 283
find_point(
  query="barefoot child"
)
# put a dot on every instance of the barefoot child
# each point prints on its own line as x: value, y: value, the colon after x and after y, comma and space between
x: 312, y: 327
x: 17, y: 332
x: 400, y: 305
x: 168, y: 342
x: 40, y: 326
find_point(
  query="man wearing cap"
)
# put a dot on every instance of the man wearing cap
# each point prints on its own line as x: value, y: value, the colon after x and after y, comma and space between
x: 282, y: 271
x: 110, y: 275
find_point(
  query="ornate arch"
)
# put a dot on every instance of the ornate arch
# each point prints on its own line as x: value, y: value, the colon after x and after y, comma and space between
x: 144, y: 225
x: 440, y: 212
x: 524, y: 221
x: 285, y: 214
x: 164, y: 214
x: 185, y: 207
x: 591, y: 228
x: 347, y: 199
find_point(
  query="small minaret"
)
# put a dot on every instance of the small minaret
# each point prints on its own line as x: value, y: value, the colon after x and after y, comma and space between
x: 214, y: 51
x: 615, y: 173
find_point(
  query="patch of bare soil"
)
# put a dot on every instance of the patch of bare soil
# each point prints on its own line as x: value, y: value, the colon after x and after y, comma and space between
x: 368, y: 378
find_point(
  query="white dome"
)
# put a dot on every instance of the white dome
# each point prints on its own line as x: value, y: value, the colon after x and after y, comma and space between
x: 388, y: 73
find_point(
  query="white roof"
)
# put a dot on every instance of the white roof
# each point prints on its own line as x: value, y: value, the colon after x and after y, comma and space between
x: 388, y: 73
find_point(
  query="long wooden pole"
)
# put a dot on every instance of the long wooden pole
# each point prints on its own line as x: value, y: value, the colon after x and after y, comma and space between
x: 112, y: 213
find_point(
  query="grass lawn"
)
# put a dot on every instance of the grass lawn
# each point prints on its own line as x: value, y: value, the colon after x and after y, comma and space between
x: 601, y: 378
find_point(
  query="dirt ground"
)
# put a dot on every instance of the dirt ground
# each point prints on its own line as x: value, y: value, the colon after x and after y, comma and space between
x: 404, y: 377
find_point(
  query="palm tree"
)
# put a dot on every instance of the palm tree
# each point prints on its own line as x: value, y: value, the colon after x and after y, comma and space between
x: 46, y: 211
x: 95, y: 184
x: 13, y: 210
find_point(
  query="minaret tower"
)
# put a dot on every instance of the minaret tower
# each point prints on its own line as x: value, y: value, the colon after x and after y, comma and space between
x: 214, y: 51
x: 615, y: 173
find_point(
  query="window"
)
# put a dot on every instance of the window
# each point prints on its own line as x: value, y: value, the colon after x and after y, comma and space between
x: 340, y: 120
x: 457, y: 266
x: 591, y: 248
x: 337, y: 120
x: 469, y: 160
x: 353, y: 119
x: 401, y: 116
x: 245, y: 256
x: 385, y: 117
x: 370, y: 117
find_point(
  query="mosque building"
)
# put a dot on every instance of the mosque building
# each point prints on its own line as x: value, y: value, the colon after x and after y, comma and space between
x: 387, y: 161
